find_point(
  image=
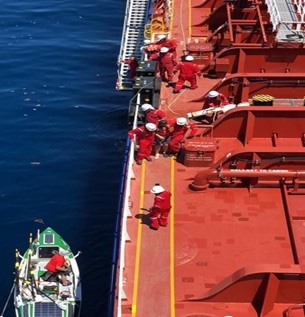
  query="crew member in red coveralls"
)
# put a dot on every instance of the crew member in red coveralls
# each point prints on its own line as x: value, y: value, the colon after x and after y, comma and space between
x: 152, y: 51
x: 162, y: 138
x: 171, y: 44
x: 151, y: 114
x: 57, y: 266
x: 145, y: 136
x: 214, y: 99
x: 133, y: 65
x: 188, y: 71
x: 159, y: 212
x: 180, y: 131
x: 167, y: 63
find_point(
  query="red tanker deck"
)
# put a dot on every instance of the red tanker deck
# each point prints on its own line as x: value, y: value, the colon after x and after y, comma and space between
x: 235, y: 243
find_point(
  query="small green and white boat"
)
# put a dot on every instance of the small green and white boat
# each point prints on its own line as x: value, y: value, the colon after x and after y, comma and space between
x: 35, y: 297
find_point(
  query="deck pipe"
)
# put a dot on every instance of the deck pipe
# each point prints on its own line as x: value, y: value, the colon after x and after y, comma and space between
x: 202, y: 179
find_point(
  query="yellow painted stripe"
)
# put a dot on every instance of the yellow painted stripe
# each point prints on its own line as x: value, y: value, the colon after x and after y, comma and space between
x: 190, y: 18
x: 171, y: 226
x: 172, y: 242
x: 172, y: 19
x: 138, y: 242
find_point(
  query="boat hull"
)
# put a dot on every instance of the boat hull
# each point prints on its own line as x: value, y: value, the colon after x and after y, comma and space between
x: 37, y: 296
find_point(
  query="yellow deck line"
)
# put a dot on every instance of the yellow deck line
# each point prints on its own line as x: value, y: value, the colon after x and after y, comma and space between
x: 172, y: 19
x: 190, y: 18
x: 172, y: 242
x: 138, y: 248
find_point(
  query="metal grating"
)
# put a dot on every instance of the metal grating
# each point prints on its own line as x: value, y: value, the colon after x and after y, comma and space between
x: 287, y: 18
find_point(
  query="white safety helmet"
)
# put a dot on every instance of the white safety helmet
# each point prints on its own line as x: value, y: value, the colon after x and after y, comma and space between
x: 181, y: 121
x: 164, y: 50
x: 161, y: 36
x: 146, y: 106
x: 189, y: 58
x: 213, y: 94
x: 147, y: 41
x: 150, y: 126
x: 157, y: 189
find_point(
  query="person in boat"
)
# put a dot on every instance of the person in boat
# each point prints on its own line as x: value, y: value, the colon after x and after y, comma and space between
x: 188, y: 71
x: 162, y: 138
x: 167, y: 63
x: 158, y: 214
x: 145, y: 136
x: 133, y: 65
x: 57, y: 266
x: 151, y: 114
x: 180, y: 130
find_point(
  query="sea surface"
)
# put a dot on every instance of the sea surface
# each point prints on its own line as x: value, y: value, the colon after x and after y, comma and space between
x: 62, y: 134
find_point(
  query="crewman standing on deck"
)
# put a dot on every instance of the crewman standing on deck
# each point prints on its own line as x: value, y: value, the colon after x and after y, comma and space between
x: 151, y: 114
x: 162, y: 138
x: 167, y: 63
x: 171, y: 44
x: 162, y: 205
x: 133, y: 65
x: 145, y: 136
x: 180, y: 129
x: 188, y: 70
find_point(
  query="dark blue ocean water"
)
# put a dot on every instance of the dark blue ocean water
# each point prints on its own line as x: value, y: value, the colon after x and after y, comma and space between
x: 62, y: 133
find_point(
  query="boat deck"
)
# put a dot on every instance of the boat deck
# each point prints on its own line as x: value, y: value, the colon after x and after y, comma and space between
x: 227, y: 250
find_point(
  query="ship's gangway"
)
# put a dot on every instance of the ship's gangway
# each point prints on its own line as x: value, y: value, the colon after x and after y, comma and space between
x: 136, y: 15
x: 288, y: 19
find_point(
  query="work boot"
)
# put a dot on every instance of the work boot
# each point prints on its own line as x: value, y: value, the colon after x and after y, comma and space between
x: 153, y: 228
x: 176, y: 91
x: 149, y: 159
x: 139, y: 162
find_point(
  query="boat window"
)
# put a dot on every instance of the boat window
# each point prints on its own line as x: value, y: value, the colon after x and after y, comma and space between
x: 47, y: 252
x: 49, y: 238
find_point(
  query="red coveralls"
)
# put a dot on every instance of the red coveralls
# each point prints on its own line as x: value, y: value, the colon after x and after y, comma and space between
x: 177, y: 135
x: 153, y: 116
x: 152, y: 51
x: 215, y: 102
x: 167, y: 63
x: 170, y: 44
x: 160, y: 210
x: 133, y: 65
x: 188, y: 71
x: 56, y: 260
x: 145, y: 140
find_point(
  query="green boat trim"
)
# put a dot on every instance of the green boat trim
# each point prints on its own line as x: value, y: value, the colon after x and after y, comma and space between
x: 35, y: 297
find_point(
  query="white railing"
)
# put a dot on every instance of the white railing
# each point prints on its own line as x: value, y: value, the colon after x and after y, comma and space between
x: 132, y: 39
x: 126, y: 213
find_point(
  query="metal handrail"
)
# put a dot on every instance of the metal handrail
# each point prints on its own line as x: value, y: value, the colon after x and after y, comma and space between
x: 125, y: 206
x: 156, y: 24
x: 288, y: 311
